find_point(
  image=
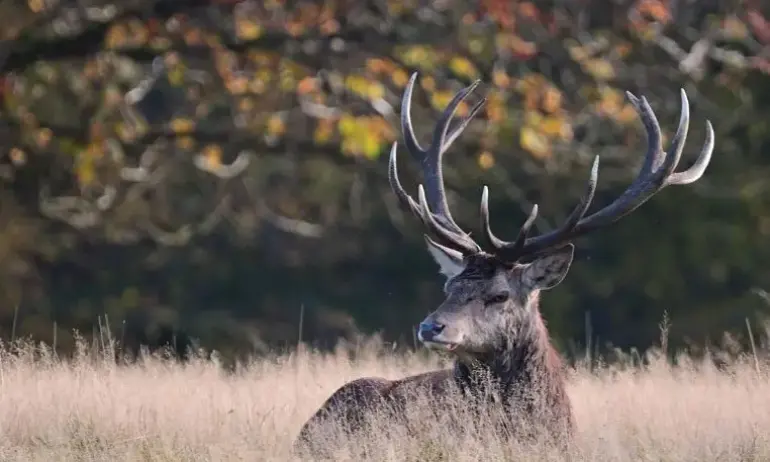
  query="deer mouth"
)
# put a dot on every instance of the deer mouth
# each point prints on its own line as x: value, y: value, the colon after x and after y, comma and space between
x: 437, y: 344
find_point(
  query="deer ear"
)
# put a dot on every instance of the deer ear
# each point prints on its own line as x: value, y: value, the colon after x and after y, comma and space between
x: 450, y: 261
x: 548, y: 271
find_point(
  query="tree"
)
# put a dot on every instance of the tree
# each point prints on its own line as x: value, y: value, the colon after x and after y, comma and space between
x: 218, y: 165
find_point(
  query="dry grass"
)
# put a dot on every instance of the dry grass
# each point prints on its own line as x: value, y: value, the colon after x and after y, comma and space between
x: 91, y: 409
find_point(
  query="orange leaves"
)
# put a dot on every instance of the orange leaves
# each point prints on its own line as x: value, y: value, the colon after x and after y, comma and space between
x: 399, y: 78
x: 182, y: 125
x: 36, y: 6
x: 515, y: 45
x: 212, y: 156
x: 612, y: 103
x: 545, y: 120
x: 539, y: 94
x: 657, y: 10
x: 247, y: 28
x: 647, y: 13
x: 18, y: 157
x: 486, y: 160
x: 378, y: 67
x: 307, y: 85
x: 324, y: 131
x: 127, y: 34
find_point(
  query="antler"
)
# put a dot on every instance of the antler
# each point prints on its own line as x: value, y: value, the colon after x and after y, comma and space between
x: 656, y: 173
x: 433, y: 196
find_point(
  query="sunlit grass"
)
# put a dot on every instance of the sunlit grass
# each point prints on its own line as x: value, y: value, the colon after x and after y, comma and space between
x: 90, y: 408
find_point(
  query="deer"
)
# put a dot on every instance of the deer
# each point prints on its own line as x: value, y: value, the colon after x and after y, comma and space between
x: 490, y: 322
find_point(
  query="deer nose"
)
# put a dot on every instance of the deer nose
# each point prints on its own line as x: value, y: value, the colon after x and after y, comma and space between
x: 428, y: 330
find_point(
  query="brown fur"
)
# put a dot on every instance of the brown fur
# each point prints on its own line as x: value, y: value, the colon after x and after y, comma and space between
x: 524, y: 379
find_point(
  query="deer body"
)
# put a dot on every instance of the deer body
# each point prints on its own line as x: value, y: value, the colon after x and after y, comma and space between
x: 508, y: 377
x: 490, y: 319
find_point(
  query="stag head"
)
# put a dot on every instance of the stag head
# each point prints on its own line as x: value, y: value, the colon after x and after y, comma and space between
x: 491, y: 295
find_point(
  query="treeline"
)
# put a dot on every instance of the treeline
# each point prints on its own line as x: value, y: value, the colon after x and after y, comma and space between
x: 217, y: 169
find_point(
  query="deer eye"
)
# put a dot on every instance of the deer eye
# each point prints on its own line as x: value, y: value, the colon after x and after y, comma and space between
x: 497, y: 298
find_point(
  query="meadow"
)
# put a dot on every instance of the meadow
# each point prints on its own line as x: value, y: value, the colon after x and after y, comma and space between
x: 89, y: 408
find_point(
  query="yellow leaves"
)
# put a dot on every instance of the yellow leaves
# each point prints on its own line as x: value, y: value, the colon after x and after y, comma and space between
x: 600, y: 69
x: 181, y: 125
x: 463, y: 67
x: 536, y: 143
x: 440, y: 99
x: 486, y: 160
x: 115, y: 36
x: 399, y: 78
x: 43, y: 137
x: 611, y: 103
x: 276, y: 126
x: 185, y: 142
x: 419, y: 56
x: 85, y: 168
x: 495, y: 107
x: 289, y: 74
x: 18, y: 157
x: 237, y: 85
x: 247, y: 29
x: 500, y: 78
x: 530, y: 82
x: 36, y: 6
x: 365, y: 88
x: 556, y: 126
x: 176, y: 74
x: 576, y: 51
x: 539, y: 132
x: 212, y: 156
x: 364, y: 136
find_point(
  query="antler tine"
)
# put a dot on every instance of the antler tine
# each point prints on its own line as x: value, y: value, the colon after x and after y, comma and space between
x: 433, y: 209
x: 461, y: 241
x: 656, y: 173
x: 395, y: 183
x: 510, y: 251
x: 430, y: 158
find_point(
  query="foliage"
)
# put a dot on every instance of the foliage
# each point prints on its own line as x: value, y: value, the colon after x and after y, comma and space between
x: 219, y: 166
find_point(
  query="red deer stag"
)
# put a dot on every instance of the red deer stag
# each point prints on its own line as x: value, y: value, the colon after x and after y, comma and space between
x: 490, y: 320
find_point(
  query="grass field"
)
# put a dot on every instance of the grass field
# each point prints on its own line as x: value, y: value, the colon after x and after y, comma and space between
x: 91, y: 409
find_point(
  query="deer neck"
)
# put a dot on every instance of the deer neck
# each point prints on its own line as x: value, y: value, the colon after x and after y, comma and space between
x: 523, y: 364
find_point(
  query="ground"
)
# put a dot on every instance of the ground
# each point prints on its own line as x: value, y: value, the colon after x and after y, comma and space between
x: 91, y: 409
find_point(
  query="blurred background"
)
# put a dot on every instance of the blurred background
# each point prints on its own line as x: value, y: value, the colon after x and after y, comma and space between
x: 216, y: 170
